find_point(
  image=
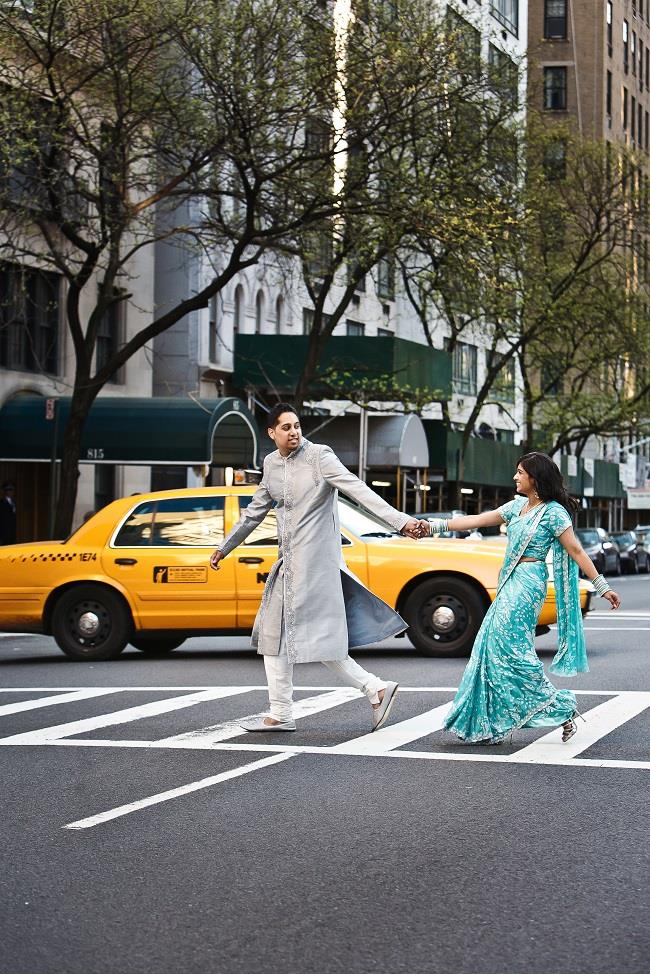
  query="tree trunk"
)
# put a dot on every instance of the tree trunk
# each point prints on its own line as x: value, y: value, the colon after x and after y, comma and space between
x: 69, y: 465
x: 309, y: 368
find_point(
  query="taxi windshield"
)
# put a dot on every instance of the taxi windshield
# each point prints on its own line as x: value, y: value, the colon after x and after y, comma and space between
x: 363, y: 524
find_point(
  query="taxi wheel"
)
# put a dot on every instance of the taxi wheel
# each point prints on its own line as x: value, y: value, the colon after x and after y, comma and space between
x: 444, y: 615
x: 155, y: 647
x: 91, y: 622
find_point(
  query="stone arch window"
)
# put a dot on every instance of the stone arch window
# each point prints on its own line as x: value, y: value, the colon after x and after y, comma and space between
x: 238, y: 317
x: 279, y: 313
x: 259, y: 312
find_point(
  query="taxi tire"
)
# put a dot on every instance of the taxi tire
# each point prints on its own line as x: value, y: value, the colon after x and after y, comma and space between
x: 155, y: 647
x: 114, y: 615
x: 464, y: 599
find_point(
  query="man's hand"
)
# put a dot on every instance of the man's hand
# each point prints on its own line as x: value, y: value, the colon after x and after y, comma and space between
x: 215, y: 558
x: 415, y: 529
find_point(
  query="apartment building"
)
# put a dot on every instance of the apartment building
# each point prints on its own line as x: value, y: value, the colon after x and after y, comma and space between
x: 37, y: 360
x: 265, y: 314
x: 589, y: 61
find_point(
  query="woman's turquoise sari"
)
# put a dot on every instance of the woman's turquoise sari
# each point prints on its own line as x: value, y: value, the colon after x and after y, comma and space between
x: 504, y: 685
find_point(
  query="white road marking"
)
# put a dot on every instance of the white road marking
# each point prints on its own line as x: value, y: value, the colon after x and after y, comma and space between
x: 206, y: 737
x: 248, y: 687
x: 165, y: 796
x: 614, y: 614
x: 48, y: 734
x: 396, y: 735
x: 600, y: 721
x: 622, y: 706
x: 35, y: 704
x: 450, y: 755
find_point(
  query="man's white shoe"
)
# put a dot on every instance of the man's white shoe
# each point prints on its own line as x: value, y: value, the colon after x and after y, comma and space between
x: 256, y: 724
x: 380, y: 713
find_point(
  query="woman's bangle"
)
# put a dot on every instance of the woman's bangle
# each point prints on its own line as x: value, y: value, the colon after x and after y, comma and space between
x: 601, y: 585
x: 438, y: 525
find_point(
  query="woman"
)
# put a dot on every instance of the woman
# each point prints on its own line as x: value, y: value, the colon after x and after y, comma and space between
x: 504, y: 685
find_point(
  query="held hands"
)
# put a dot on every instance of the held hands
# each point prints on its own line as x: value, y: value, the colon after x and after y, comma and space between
x: 215, y: 558
x: 416, y: 529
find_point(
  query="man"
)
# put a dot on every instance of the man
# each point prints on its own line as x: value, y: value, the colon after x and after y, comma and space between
x: 313, y: 609
x: 7, y: 515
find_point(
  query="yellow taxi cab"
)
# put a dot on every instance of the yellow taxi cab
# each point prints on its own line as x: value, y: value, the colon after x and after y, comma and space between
x: 138, y: 572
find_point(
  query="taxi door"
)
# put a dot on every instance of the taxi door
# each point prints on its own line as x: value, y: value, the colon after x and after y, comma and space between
x: 355, y: 554
x: 161, y: 554
x: 253, y: 560
x: 257, y: 554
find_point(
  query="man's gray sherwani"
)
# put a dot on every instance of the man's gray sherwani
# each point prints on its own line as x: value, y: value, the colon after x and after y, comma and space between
x: 326, y: 609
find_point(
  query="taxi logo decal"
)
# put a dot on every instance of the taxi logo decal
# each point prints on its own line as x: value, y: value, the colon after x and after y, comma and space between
x: 180, y: 574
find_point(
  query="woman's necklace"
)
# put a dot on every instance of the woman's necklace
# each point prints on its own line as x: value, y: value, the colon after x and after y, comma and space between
x: 528, y: 506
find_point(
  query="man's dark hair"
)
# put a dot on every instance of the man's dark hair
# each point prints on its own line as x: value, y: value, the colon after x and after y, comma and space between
x: 276, y: 412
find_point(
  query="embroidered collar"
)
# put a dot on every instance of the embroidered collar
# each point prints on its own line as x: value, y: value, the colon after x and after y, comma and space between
x: 294, y: 453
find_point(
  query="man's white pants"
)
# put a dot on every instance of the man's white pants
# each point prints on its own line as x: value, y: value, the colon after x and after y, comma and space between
x: 279, y: 675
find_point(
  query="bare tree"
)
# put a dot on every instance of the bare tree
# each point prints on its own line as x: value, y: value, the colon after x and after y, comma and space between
x: 125, y: 123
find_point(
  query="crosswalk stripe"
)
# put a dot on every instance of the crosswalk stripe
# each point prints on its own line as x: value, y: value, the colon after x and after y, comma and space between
x: 447, y: 755
x: 36, y: 704
x: 396, y: 735
x: 207, y: 736
x: 600, y: 721
x: 164, y: 796
x: 46, y: 735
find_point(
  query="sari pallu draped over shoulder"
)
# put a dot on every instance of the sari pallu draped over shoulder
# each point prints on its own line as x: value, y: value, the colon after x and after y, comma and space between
x: 571, y: 655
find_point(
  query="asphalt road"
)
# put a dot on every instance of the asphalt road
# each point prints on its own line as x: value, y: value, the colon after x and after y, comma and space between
x: 195, y: 848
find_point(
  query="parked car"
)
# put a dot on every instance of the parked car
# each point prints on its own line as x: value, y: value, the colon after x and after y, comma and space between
x: 634, y: 557
x: 138, y: 572
x: 642, y: 532
x: 475, y: 535
x: 601, y: 548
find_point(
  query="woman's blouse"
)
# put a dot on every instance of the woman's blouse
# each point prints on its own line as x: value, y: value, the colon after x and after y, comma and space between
x: 553, y: 522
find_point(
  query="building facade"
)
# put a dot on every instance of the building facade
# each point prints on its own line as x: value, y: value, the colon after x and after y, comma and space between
x: 218, y: 350
x: 589, y: 61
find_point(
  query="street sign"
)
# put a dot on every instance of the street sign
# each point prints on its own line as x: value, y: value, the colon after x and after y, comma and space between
x: 50, y: 408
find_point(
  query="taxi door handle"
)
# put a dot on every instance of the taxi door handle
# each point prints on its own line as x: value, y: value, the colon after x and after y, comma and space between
x: 251, y: 561
x: 126, y: 561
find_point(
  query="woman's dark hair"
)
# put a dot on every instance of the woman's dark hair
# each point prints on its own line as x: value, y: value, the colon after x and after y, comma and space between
x: 548, y: 480
x: 275, y: 413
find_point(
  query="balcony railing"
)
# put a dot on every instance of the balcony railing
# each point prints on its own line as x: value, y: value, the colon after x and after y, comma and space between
x: 507, y: 13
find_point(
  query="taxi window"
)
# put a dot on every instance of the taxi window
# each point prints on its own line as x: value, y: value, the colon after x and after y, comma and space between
x: 267, y: 531
x: 264, y: 533
x: 183, y: 522
x: 136, y: 530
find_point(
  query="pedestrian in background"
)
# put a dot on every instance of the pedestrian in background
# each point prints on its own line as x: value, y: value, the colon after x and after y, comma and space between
x: 8, y: 514
x: 313, y: 608
x: 504, y: 685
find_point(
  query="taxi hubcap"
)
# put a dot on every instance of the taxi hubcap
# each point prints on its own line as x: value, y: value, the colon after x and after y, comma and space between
x: 444, y: 618
x: 88, y: 624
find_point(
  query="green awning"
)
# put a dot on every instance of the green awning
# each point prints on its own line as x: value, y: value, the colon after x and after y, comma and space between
x: 275, y: 361
x: 488, y: 463
x: 134, y: 431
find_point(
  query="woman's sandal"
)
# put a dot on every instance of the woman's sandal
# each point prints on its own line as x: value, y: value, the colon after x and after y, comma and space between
x: 569, y: 727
